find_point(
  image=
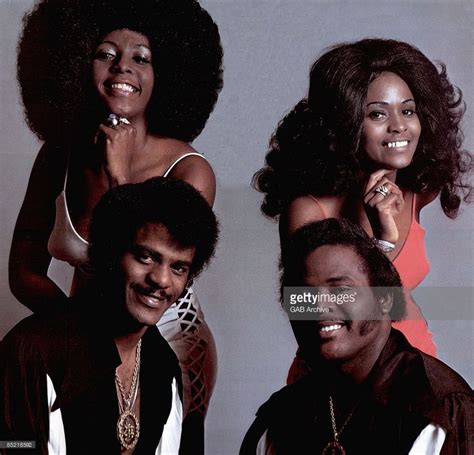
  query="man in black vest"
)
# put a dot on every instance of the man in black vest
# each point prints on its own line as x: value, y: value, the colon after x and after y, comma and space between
x: 367, y: 390
x: 98, y: 378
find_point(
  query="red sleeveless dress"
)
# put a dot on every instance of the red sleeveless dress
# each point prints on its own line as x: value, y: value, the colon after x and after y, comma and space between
x: 413, y: 266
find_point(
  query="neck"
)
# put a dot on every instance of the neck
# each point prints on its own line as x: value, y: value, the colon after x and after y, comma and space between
x: 392, y: 176
x: 127, y: 344
x: 142, y: 133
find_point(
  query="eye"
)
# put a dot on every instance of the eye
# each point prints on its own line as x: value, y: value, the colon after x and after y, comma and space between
x: 105, y: 55
x: 180, y: 269
x: 376, y: 115
x: 343, y: 289
x: 409, y: 112
x: 142, y: 59
x: 143, y: 257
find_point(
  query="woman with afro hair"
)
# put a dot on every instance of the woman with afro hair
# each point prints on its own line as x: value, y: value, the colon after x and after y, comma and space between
x: 116, y: 90
x: 376, y: 140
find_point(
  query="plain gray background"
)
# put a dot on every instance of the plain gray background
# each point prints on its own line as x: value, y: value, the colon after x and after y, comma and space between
x: 269, y: 47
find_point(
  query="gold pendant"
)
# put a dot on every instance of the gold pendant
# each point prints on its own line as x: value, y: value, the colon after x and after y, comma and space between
x: 128, y: 430
x: 333, y: 448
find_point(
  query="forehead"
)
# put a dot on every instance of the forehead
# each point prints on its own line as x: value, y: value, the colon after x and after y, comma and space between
x: 128, y: 37
x: 388, y: 85
x: 156, y: 237
x: 330, y: 262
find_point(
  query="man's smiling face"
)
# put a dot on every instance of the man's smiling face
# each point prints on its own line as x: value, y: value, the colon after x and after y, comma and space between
x: 350, y: 328
x: 155, y: 271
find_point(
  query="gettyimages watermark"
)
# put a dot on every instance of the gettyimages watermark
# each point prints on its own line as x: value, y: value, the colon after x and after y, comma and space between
x: 349, y: 303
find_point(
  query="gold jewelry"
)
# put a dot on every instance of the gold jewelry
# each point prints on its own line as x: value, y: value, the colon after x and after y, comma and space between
x: 334, y: 447
x: 128, y: 425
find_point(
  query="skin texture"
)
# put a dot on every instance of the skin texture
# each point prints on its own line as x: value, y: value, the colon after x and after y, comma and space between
x: 124, y: 56
x: 63, y: 106
x: 154, y: 273
x: 127, y: 154
x: 390, y: 116
x: 316, y: 148
x: 364, y: 323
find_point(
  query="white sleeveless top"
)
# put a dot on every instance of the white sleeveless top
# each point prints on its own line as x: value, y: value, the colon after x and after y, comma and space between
x: 65, y: 243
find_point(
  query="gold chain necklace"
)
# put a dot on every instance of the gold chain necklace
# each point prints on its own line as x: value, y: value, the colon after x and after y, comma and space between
x: 128, y: 425
x: 334, y: 447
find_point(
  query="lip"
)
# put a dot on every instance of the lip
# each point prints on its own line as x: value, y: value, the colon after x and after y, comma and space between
x: 152, y: 300
x: 327, y: 329
x: 399, y: 143
x: 120, y: 87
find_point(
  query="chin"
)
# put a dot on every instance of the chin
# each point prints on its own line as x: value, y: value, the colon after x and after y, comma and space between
x: 332, y: 353
x: 326, y: 352
x: 399, y: 165
x: 145, y: 317
x: 393, y: 165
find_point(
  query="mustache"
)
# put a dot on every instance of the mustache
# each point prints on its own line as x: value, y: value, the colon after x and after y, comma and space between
x: 152, y: 291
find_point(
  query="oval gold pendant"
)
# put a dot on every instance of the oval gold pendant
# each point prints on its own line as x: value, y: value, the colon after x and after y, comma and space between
x: 333, y: 448
x: 128, y: 430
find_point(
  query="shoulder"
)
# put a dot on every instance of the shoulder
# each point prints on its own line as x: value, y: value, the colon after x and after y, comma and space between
x: 36, y: 337
x: 451, y: 405
x: 427, y: 386
x: 308, y: 209
x: 52, y: 158
x: 193, y: 168
x: 191, y: 164
x: 420, y: 373
x: 442, y: 379
x: 183, y: 162
x: 290, y: 399
x: 424, y: 199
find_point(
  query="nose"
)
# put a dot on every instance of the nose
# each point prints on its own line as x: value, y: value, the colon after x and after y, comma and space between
x: 120, y: 65
x: 397, y: 124
x: 159, y: 276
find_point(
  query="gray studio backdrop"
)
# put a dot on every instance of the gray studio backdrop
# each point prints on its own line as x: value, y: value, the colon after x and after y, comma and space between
x: 269, y: 47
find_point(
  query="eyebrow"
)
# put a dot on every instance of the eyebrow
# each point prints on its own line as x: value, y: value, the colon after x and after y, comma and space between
x: 384, y: 103
x: 135, y: 45
x: 155, y: 255
x: 337, y: 279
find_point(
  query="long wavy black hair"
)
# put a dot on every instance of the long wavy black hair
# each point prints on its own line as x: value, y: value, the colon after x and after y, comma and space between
x: 58, y: 42
x: 316, y: 147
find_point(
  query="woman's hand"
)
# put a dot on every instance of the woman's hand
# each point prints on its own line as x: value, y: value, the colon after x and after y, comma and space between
x: 119, y: 144
x: 382, y: 206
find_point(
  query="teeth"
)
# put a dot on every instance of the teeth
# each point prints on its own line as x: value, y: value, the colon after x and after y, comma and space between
x: 155, y: 297
x: 330, y: 328
x: 124, y: 87
x: 397, y: 144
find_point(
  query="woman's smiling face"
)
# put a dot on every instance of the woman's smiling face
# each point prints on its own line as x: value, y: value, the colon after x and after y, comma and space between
x: 391, y: 127
x: 123, y: 74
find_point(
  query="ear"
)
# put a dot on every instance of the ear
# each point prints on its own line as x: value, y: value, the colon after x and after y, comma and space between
x: 386, y: 303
